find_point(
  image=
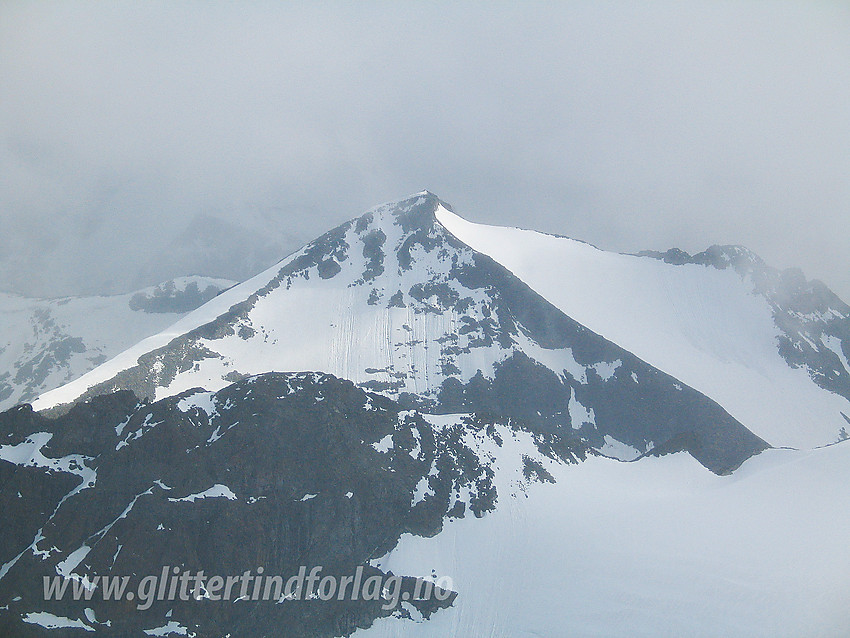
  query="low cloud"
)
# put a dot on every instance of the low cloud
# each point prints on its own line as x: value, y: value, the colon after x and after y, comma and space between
x: 124, y: 127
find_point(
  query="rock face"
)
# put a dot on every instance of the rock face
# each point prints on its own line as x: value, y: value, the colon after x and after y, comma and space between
x: 45, y: 343
x: 275, y: 471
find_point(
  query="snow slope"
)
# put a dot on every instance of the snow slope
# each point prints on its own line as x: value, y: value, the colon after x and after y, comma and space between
x: 701, y: 325
x: 658, y: 547
x: 45, y: 343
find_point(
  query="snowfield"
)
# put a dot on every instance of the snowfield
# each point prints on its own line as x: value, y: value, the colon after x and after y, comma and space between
x: 659, y: 547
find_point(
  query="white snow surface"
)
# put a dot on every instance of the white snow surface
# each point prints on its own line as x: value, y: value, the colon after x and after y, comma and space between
x: 202, y: 400
x: 384, y: 445
x: 51, y: 621
x: 834, y: 344
x: 216, y: 491
x: 619, y: 450
x: 699, y: 324
x: 658, y: 547
x: 171, y: 628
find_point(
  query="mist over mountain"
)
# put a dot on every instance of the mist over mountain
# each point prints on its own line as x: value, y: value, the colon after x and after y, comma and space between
x: 640, y: 127
x: 48, y: 342
x: 106, y: 257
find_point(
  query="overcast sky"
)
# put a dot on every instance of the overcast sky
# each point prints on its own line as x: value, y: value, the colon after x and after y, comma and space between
x: 126, y: 129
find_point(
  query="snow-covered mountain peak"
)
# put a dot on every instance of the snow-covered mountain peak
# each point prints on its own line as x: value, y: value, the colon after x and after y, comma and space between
x: 395, y: 302
x: 411, y: 212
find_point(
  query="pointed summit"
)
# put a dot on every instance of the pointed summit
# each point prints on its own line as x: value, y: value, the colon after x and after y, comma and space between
x: 417, y: 211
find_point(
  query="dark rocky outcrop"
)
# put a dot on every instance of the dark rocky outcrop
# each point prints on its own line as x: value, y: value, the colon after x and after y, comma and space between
x: 319, y: 472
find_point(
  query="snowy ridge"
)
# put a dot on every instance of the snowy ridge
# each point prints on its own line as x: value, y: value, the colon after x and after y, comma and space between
x: 704, y: 326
